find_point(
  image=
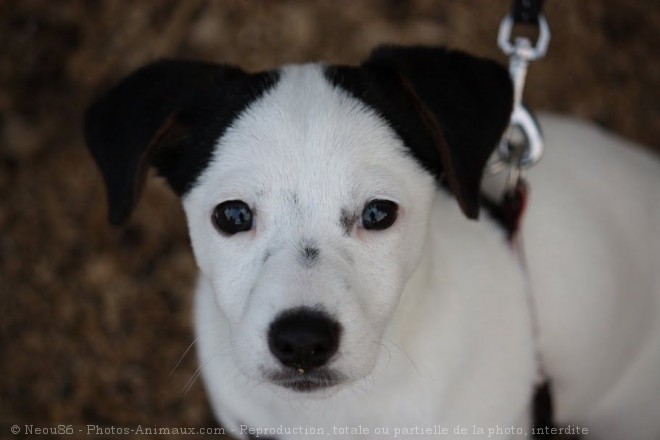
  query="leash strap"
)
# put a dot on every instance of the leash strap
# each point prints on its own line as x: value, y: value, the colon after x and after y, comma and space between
x: 526, y: 11
x: 513, y: 207
x: 509, y: 212
x: 512, y: 210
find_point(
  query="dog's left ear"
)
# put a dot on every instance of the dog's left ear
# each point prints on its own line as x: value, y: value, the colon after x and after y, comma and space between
x: 462, y: 102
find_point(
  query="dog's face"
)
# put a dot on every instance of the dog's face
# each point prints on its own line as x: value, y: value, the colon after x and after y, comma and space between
x: 307, y: 190
x: 334, y: 211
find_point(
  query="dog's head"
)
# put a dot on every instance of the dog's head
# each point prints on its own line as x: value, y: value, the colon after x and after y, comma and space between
x: 307, y: 189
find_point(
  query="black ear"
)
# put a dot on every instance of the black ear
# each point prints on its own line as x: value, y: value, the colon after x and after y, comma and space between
x: 463, y: 103
x: 168, y: 114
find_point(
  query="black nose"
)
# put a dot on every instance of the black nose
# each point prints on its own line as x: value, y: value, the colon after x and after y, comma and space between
x: 304, y: 338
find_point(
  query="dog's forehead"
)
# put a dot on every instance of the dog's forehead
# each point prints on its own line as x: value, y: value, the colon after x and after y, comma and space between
x: 306, y: 132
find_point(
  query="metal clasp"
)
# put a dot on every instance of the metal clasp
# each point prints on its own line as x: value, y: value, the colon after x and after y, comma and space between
x: 530, y: 53
x: 522, y: 144
x: 520, y: 147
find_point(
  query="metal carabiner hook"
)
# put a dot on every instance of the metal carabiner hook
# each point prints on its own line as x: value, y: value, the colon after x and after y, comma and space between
x: 531, y: 52
x: 522, y: 145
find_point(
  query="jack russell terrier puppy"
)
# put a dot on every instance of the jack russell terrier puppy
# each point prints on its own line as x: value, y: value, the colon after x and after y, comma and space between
x: 344, y: 289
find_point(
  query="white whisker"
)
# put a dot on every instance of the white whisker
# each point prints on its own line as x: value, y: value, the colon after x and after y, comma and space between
x: 414, y: 365
x: 183, y: 356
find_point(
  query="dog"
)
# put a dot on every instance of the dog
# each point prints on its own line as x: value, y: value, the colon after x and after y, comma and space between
x: 344, y: 289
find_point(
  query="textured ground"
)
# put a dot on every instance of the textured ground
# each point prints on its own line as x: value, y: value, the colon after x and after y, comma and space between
x: 93, y: 319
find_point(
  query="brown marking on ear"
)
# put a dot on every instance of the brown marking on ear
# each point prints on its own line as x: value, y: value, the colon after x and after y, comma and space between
x: 435, y: 130
x: 167, y: 136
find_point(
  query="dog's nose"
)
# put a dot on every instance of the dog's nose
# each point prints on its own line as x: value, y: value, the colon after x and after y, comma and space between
x: 304, y: 338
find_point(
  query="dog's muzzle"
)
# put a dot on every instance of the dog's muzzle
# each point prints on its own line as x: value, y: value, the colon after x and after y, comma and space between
x: 304, y: 340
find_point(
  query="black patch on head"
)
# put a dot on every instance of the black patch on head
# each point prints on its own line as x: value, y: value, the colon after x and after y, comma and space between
x: 309, y: 254
x: 168, y: 114
x: 347, y: 220
x: 449, y: 108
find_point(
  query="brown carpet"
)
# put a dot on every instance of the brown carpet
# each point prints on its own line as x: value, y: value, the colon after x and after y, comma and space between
x: 92, y: 319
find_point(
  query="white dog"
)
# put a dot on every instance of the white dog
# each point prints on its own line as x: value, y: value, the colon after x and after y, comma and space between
x: 343, y: 291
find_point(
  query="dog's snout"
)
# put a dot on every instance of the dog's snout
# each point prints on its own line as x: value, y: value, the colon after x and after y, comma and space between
x: 304, y: 338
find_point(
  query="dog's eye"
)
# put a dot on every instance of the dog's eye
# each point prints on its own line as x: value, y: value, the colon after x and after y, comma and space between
x: 379, y: 214
x: 232, y: 216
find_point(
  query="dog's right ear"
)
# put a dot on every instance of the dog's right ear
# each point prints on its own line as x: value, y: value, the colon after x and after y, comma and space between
x: 167, y: 114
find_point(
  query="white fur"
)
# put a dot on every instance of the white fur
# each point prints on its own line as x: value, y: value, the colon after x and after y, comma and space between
x: 594, y: 257
x: 437, y: 329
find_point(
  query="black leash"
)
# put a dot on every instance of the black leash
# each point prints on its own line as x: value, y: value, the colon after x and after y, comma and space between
x: 526, y: 11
